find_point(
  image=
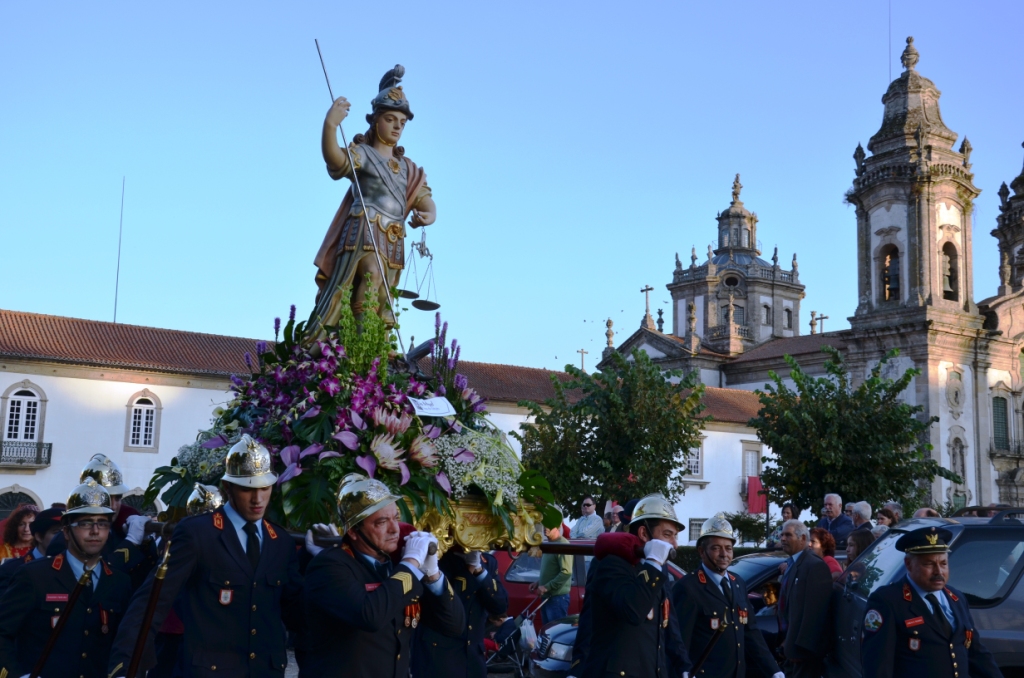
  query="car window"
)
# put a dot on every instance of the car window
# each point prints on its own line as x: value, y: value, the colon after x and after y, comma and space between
x: 525, y: 570
x: 880, y: 565
x: 985, y: 564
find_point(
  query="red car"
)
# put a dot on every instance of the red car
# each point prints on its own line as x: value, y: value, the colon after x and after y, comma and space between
x: 518, y: 574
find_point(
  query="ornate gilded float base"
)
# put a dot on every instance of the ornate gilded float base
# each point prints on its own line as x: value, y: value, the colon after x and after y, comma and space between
x: 475, y: 528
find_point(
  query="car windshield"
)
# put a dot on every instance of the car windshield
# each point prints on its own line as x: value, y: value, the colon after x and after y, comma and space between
x: 985, y: 564
x: 751, y: 569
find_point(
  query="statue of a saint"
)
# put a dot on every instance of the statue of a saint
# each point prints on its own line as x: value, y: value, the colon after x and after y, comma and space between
x: 368, y: 234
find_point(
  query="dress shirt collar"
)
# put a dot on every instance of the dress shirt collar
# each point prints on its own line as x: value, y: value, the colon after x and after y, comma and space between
x: 37, y: 554
x: 940, y: 595
x: 238, y: 522
x: 78, y: 567
x: 715, y: 577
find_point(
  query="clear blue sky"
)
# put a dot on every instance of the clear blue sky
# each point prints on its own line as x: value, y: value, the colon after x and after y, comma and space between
x: 572, y: 148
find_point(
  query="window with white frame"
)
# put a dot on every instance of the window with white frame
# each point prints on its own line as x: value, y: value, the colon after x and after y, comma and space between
x: 693, y: 462
x: 695, y: 525
x: 751, y: 459
x: 142, y: 423
x: 22, y: 416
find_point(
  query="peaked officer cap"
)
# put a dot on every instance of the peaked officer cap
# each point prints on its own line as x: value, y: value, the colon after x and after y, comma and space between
x: 360, y: 497
x: 717, y: 526
x: 924, y: 541
x: 105, y: 472
x: 45, y: 520
x: 248, y: 464
x: 655, y: 507
x: 204, y: 499
x: 89, y: 498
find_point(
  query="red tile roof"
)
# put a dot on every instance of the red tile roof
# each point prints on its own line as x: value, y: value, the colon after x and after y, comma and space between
x: 731, y: 405
x: 777, y: 348
x: 510, y: 383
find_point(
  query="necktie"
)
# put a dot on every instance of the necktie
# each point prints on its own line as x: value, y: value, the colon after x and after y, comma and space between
x: 940, y: 615
x: 727, y: 590
x: 252, y: 545
x: 86, y: 596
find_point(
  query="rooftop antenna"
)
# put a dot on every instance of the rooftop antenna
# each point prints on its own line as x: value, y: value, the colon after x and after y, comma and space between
x: 120, y: 227
x: 890, y: 41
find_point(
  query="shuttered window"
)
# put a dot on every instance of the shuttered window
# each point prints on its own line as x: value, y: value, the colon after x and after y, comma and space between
x: 1000, y: 424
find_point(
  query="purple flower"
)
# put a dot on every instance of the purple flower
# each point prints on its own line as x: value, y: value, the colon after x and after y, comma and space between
x: 311, y: 412
x: 290, y: 456
x: 437, y: 322
x: 432, y: 432
x: 367, y: 463
x: 328, y: 455
x: 416, y: 388
x: 456, y: 426
x: 441, y: 390
x: 291, y: 314
x: 277, y: 327
x: 443, y: 481
x: 237, y: 381
x: 461, y: 382
x: 330, y: 386
x: 464, y: 456
x: 216, y: 441
x: 405, y: 472
x: 315, y: 448
x: 261, y: 347
x: 357, y: 421
x: 348, y: 439
x: 248, y: 360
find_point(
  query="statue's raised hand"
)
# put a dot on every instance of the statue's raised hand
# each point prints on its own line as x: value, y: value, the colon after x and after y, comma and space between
x: 338, y: 112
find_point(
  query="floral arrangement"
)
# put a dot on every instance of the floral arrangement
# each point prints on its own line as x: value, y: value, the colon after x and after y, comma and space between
x: 341, y: 402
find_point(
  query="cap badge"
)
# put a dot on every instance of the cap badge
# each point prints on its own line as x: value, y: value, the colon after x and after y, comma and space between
x: 933, y: 539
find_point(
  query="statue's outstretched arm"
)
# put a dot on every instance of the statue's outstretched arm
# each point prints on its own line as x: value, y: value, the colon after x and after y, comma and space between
x: 424, y: 212
x: 334, y: 155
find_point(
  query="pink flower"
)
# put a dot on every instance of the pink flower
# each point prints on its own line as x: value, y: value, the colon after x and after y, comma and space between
x: 357, y: 421
x: 465, y: 456
x: 432, y: 432
x: 330, y: 386
x: 388, y: 456
x: 328, y: 455
x: 315, y: 448
x: 395, y: 424
x: 348, y: 439
x: 367, y: 463
x: 290, y: 456
x: 423, y: 452
x: 443, y: 481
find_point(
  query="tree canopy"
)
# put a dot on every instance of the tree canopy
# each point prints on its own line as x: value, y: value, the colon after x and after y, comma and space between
x: 620, y: 433
x: 863, y: 443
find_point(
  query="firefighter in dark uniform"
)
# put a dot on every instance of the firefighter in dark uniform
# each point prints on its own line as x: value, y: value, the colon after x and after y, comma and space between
x: 361, y: 608
x: 127, y: 549
x: 713, y: 600
x: 44, y: 528
x: 474, y: 576
x: 40, y: 591
x: 632, y: 630
x: 235, y: 577
x: 920, y: 627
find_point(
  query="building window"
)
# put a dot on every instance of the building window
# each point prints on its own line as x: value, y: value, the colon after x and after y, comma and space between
x: 1000, y: 424
x: 142, y: 428
x: 693, y: 462
x: 738, y: 315
x: 766, y: 315
x: 788, y: 317
x: 891, y: 274
x: 751, y: 459
x: 746, y: 237
x: 12, y: 499
x: 695, y: 525
x: 23, y: 412
x: 950, y: 273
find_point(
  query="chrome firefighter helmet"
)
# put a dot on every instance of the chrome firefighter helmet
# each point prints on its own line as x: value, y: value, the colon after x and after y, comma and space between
x: 360, y: 497
x: 655, y: 507
x: 248, y: 464
x: 105, y: 472
x: 204, y: 499
x: 717, y: 526
x: 89, y: 498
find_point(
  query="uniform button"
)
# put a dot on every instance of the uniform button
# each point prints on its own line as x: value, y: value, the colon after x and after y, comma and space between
x: 252, y: 655
x: 227, y: 583
x: 471, y: 628
x: 83, y: 655
x: 253, y: 608
x: 954, y: 665
x: 622, y: 673
x: 213, y: 668
x: 254, y: 632
x: 399, y: 656
x: 87, y: 632
x: 89, y: 611
x: 951, y: 646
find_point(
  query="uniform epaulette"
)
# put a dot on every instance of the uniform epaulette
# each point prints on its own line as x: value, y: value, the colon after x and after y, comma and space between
x: 28, y: 557
x: 701, y: 578
x: 953, y: 596
x: 906, y: 593
x: 58, y: 562
x: 270, y: 530
x: 348, y: 549
x: 732, y: 577
x: 218, y: 520
x: 106, y: 568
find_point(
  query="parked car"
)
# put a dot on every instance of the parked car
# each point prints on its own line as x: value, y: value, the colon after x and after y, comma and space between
x: 517, y: 575
x: 985, y: 563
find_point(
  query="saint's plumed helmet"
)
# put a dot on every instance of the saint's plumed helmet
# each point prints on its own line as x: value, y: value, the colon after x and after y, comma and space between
x: 655, y: 507
x: 360, y: 497
x: 717, y: 526
x: 105, y: 472
x: 204, y: 499
x: 391, y: 97
x: 89, y: 498
x: 248, y: 464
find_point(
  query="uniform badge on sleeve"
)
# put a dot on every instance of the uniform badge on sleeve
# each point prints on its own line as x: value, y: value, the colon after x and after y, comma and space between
x: 872, y: 621
x: 715, y: 621
x: 225, y: 596
x: 743, y: 616
x: 915, y: 644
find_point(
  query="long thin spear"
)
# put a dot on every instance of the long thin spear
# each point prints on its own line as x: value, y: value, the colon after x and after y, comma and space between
x: 359, y: 192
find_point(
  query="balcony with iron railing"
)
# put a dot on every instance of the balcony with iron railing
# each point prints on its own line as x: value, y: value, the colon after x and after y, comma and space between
x: 24, y: 454
x: 1005, y: 447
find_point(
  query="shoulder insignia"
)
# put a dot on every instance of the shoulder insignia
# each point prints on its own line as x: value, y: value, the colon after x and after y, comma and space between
x: 126, y: 553
x: 270, y: 530
x: 348, y: 549
x: 406, y: 580
x: 28, y: 558
x: 218, y: 520
x: 112, y: 673
x: 58, y: 562
x: 906, y: 593
x: 701, y: 578
x: 3, y: 673
x: 495, y: 582
x: 643, y: 573
x: 732, y: 577
x: 106, y: 568
x: 450, y: 592
x: 953, y: 596
x: 872, y: 621
x: 463, y: 580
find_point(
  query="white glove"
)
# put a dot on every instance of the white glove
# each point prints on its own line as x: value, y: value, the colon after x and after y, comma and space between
x: 416, y: 545
x: 473, y: 559
x: 657, y: 551
x: 430, y: 567
x: 136, y: 528
x: 780, y: 674
x: 321, y: 531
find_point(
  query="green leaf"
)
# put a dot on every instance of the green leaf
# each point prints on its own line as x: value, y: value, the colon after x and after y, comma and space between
x: 308, y: 499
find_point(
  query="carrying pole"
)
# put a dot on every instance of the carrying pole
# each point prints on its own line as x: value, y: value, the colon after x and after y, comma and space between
x: 147, y: 620
x: 83, y: 581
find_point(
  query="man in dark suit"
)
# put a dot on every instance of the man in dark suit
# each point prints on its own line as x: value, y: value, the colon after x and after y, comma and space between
x: 713, y: 600
x: 804, y: 602
x: 41, y: 589
x: 629, y: 627
x: 46, y: 525
x: 918, y: 626
x: 361, y: 608
x: 838, y: 524
x: 474, y: 576
x: 235, y: 577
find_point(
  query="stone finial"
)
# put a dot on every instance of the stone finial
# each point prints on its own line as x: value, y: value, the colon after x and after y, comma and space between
x: 910, y: 55
x: 609, y: 333
x: 711, y: 253
x: 679, y: 264
x: 661, y: 321
x: 1004, y: 196
x: 858, y: 157
x: 693, y: 256
x: 965, y: 150
x: 775, y: 256
x: 736, y: 188
x: 691, y: 318
x: 796, y: 267
x: 814, y: 322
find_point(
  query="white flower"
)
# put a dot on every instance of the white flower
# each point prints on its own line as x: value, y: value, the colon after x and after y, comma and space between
x: 422, y: 451
x: 388, y: 456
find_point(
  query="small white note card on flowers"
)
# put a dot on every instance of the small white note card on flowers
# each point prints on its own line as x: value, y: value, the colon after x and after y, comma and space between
x: 432, y: 407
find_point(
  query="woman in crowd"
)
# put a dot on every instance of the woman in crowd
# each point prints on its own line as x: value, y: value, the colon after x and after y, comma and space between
x: 789, y: 512
x: 824, y: 545
x: 857, y: 543
x: 18, y: 533
x: 885, y: 517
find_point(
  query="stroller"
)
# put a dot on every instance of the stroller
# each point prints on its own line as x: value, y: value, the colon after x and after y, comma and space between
x: 514, y: 645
